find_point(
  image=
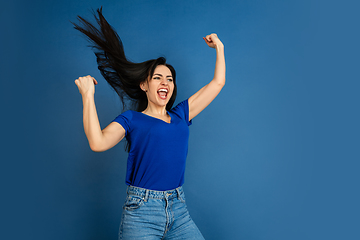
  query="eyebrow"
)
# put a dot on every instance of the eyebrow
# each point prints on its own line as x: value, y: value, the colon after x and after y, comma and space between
x: 162, y: 75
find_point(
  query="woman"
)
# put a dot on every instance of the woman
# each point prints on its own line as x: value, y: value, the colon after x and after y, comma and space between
x: 157, y: 134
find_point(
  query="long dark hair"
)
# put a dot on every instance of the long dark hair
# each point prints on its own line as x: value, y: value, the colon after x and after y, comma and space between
x: 123, y: 75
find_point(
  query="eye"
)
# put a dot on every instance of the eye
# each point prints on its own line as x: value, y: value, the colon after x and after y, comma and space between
x: 157, y: 78
x: 170, y: 79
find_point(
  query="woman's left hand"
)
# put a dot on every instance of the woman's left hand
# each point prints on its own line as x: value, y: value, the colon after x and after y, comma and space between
x: 213, y: 41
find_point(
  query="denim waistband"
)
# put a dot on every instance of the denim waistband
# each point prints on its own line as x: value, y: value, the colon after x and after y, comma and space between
x: 147, y: 193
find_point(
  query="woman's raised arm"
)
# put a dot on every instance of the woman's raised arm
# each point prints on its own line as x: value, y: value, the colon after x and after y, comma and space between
x: 201, y: 99
x: 99, y: 140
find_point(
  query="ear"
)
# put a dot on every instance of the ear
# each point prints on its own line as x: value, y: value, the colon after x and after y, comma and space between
x: 143, y: 86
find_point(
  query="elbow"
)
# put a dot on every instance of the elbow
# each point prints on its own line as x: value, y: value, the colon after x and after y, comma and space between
x: 221, y: 83
x: 96, y: 148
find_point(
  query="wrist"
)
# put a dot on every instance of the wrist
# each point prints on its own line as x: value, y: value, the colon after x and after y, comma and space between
x: 219, y: 46
x: 87, y: 96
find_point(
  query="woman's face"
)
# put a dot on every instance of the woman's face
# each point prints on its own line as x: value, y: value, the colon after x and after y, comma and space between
x: 159, y: 88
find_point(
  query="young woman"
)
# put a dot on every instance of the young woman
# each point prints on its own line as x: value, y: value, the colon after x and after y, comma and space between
x: 157, y: 133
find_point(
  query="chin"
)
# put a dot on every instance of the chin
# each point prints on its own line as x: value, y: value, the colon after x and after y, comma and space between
x: 163, y: 102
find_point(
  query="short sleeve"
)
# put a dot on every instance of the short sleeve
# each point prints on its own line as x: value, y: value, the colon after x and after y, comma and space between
x: 182, y: 110
x: 124, y: 120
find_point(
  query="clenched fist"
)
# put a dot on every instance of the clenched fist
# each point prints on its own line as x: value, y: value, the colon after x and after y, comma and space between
x: 86, y: 85
x: 213, y: 41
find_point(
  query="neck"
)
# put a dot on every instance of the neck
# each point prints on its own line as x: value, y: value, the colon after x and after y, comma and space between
x: 155, y: 110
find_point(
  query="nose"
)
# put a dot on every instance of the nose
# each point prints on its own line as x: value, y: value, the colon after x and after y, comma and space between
x: 164, y: 82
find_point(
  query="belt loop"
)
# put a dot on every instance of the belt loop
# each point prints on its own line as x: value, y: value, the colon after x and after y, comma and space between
x: 178, y: 193
x: 146, y: 195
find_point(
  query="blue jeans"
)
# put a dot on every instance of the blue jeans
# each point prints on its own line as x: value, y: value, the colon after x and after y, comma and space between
x: 149, y: 214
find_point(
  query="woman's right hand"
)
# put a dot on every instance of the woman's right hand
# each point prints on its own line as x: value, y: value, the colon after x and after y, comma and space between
x: 86, y: 85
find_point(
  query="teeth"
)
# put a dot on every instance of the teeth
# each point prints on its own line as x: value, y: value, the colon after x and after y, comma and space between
x: 163, y: 90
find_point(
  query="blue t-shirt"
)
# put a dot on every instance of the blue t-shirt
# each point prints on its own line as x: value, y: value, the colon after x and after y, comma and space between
x: 158, y: 150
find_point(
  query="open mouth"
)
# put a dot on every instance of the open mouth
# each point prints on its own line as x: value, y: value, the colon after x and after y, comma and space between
x: 162, y: 92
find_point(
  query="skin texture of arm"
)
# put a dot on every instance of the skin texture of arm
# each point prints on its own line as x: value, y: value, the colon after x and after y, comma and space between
x: 99, y: 140
x: 201, y: 99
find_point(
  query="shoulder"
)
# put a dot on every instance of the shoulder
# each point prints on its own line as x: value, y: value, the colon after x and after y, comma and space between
x: 128, y: 115
x: 182, y: 106
x: 125, y: 119
x: 182, y: 111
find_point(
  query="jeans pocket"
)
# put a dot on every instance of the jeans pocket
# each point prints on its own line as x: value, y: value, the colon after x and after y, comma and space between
x: 133, y: 202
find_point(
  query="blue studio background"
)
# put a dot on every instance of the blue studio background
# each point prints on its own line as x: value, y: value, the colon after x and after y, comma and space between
x: 275, y: 156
